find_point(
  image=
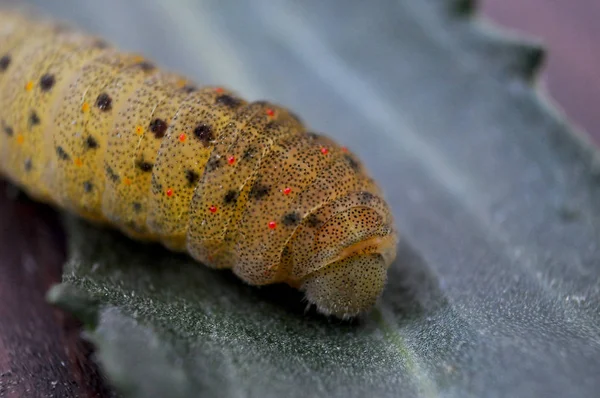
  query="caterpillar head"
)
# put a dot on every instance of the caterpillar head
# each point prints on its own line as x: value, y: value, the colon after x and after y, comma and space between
x: 351, y: 251
x: 351, y: 285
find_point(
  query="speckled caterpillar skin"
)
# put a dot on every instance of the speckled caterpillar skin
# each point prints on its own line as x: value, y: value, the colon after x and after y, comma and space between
x: 237, y: 185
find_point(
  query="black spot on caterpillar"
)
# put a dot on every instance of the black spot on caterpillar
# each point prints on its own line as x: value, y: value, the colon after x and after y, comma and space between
x: 231, y: 196
x: 146, y: 66
x: 158, y: 127
x: 353, y: 163
x: 237, y: 185
x: 144, y: 166
x: 62, y: 155
x: 7, y: 129
x: 204, y: 133
x: 91, y: 143
x: 291, y: 218
x: 104, y: 102
x: 259, y: 191
x: 110, y: 174
x: 4, y: 63
x: 34, y: 119
x: 228, y: 100
x: 88, y: 186
x: 46, y: 82
x: 189, y: 88
x: 313, y: 221
x: 192, y: 177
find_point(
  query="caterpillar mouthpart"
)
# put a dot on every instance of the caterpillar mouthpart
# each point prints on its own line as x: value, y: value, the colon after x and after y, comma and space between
x: 352, y: 279
x: 348, y: 287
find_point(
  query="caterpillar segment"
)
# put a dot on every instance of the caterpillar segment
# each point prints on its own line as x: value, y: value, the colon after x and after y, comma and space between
x: 238, y: 185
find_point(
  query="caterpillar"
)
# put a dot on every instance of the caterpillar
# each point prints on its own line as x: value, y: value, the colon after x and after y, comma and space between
x: 237, y: 185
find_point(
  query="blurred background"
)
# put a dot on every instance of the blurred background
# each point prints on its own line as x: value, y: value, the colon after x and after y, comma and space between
x: 568, y: 29
x: 570, y: 32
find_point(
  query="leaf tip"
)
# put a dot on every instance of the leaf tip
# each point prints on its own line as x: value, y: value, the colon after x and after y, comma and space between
x: 71, y: 299
x: 464, y: 7
x: 530, y: 58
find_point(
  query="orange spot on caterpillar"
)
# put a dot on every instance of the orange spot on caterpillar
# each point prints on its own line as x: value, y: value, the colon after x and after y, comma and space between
x: 169, y: 192
x: 272, y: 224
x: 287, y: 191
x: 182, y: 137
x: 213, y: 209
x: 231, y: 160
x: 20, y: 139
x: 138, y: 59
x: 219, y: 90
x: 78, y: 162
x: 181, y: 83
x: 324, y: 151
x: 85, y: 107
x: 270, y: 112
x: 139, y: 130
x: 127, y: 181
x: 29, y: 86
x: 344, y: 149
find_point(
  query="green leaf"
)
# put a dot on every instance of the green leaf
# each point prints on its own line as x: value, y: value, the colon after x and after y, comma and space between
x: 495, y: 291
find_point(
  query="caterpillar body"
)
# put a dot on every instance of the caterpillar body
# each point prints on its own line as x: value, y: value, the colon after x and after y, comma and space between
x: 238, y: 185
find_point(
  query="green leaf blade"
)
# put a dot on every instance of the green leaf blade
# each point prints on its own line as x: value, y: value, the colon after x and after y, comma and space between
x: 495, y: 290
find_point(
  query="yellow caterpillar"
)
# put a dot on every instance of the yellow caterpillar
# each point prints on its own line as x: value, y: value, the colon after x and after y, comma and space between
x: 238, y: 185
